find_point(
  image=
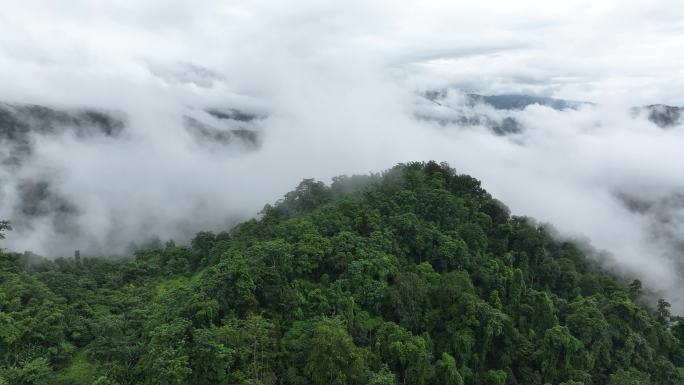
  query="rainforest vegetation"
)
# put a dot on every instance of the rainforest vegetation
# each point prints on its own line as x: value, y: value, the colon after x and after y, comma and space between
x: 415, y: 276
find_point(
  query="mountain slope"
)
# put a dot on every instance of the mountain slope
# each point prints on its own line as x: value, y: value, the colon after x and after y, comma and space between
x: 501, y: 113
x: 662, y: 115
x: 39, y: 145
x: 19, y: 122
x: 414, y: 276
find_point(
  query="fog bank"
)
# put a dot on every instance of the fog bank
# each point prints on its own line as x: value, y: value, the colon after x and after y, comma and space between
x: 337, y: 89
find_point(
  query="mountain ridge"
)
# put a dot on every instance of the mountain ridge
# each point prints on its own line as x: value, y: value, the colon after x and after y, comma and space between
x: 464, y: 112
x: 413, y: 276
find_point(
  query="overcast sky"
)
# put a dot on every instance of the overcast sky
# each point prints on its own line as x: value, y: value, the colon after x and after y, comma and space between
x: 337, y: 81
x: 586, y: 50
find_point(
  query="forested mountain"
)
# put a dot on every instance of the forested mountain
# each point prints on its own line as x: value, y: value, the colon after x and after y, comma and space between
x: 32, y: 188
x: 662, y: 115
x: 19, y: 122
x: 511, y: 101
x: 415, y: 276
x: 501, y: 113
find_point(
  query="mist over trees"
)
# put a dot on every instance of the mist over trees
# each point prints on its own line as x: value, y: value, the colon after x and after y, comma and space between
x: 4, y: 226
x: 140, y: 140
x: 414, y: 276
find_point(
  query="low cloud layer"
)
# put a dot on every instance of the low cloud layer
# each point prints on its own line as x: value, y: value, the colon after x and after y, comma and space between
x: 336, y: 89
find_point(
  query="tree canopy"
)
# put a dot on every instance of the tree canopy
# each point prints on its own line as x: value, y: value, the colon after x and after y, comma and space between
x: 415, y: 276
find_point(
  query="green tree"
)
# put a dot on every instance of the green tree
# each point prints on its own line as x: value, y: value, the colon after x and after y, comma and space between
x: 663, y: 312
x: 409, y: 297
x: 407, y: 355
x: 34, y: 372
x: 561, y: 354
x: 253, y: 343
x: 629, y: 377
x: 382, y: 377
x: 323, y: 353
x: 103, y: 380
x: 167, y: 359
x: 446, y: 371
x: 232, y: 283
x: 496, y: 377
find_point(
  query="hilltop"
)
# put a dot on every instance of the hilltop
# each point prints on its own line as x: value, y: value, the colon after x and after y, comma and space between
x: 413, y: 276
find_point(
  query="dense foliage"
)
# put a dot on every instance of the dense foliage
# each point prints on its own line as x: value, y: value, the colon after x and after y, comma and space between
x: 416, y: 276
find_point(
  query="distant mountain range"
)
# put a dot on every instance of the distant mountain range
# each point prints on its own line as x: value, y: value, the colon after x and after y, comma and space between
x: 662, y: 115
x: 510, y: 101
x: 462, y: 110
x: 37, y: 198
x: 224, y: 130
x: 19, y: 122
x: 224, y: 127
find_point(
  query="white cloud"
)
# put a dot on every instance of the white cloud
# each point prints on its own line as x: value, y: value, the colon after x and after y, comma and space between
x: 337, y: 81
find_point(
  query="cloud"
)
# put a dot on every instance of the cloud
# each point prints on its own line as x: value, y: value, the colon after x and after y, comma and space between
x: 336, y: 84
